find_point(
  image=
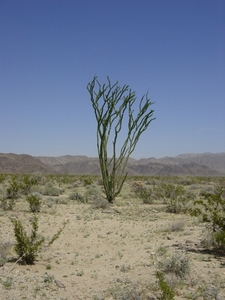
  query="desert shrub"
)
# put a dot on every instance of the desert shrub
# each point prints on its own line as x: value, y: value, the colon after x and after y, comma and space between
x: 204, y: 191
x: 176, y: 205
x: 177, y: 264
x: 142, y: 192
x: 57, y: 234
x: 26, y: 182
x: 167, y: 292
x: 51, y: 190
x: 87, y: 180
x: 187, y: 180
x: 7, y: 283
x: 49, y: 184
x: 99, y: 202
x: 7, y: 204
x: 35, y: 189
x: 62, y: 200
x: 50, y: 201
x: 34, y: 201
x: 66, y: 179
x: 26, y: 246
x: 147, y: 196
x: 76, y: 196
x: 12, y: 191
x: 90, y: 192
x: 177, y: 199
x: 177, y: 226
x: 137, y: 187
x: 212, y: 210
x: 2, y: 177
x: 130, y: 292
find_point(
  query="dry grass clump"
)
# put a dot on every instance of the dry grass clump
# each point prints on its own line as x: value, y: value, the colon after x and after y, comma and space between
x: 178, y: 265
x: 177, y: 226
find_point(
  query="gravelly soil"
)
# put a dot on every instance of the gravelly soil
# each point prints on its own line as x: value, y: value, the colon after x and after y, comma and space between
x: 107, y: 254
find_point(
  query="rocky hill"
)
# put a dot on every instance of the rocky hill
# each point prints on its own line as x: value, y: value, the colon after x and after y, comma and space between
x: 206, y: 164
x: 23, y: 163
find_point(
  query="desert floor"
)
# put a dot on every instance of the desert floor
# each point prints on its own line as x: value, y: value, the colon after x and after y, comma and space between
x: 109, y: 253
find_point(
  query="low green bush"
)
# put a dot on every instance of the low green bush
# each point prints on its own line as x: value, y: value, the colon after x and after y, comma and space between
x: 12, y: 191
x: 91, y: 192
x: 147, y: 195
x: 7, y: 204
x: 87, y: 180
x: 28, y: 246
x: 2, y: 177
x: 34, y: 201
x: 212, y: 209
x: 51, y: 190
x: 26, y: 182
x: 167, y: 292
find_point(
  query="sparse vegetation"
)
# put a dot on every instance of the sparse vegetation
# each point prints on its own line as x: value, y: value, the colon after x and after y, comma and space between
x: 212, y: 209
x: 133, y: 240
x: 26, y: 246
x: 76, y: 196
x: 51, y: 190
x: 177, y: 264
x: 34, y: 201
x: 167, y: 292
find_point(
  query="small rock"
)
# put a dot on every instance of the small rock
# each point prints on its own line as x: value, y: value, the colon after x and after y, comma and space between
x: 59, y: 284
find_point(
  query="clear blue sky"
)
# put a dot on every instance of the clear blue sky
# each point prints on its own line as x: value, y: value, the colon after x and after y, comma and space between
x: 51, y: 49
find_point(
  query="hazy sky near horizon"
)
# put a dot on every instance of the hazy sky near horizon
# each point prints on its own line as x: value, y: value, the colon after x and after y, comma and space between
x: 51, y: 49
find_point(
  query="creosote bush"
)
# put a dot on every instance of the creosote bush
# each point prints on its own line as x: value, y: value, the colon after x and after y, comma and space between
x: 7, y: 204
x: 34, y: 201
x: 12, y: 191
x: 87, y: 180
x: 212, y: 210
x: 28, y: 246
x: 26, y: 182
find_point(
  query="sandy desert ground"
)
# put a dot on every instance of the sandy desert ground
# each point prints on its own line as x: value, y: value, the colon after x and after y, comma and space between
x: 112, y: 252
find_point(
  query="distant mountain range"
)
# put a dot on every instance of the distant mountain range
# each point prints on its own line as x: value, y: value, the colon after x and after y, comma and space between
x: 23, y: 163
x: 206, y: 164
